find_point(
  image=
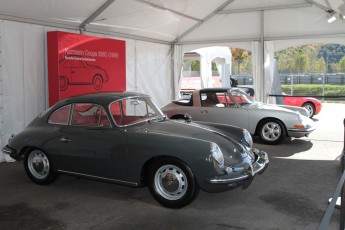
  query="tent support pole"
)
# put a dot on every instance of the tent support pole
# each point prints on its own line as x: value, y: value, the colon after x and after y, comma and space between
x: 262, y: 40
x: 94, y: 15
x: 172, y: 58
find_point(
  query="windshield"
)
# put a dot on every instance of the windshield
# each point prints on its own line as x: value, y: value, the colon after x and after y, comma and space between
x: 241, y: 97
x: 133, y: 110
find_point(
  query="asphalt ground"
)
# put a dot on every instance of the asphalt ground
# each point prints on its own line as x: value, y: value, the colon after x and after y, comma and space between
x: 293, y: 193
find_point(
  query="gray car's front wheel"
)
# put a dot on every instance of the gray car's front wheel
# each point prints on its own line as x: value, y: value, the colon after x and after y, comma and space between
x: 271, y: 131
x: 38, y: 167
x: 172, y: 183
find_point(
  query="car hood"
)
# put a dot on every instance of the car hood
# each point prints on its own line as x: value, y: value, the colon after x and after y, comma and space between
x: 260, y: 105
x: 192, y: 130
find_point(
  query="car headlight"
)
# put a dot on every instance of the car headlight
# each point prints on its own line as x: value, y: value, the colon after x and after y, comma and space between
x: 247, y: 137
x: 301, y: 120
x: 217, y: 154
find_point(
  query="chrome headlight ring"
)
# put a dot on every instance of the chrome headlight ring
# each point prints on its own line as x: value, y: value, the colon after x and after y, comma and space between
x: 247, y: 137
x: 217, y: 154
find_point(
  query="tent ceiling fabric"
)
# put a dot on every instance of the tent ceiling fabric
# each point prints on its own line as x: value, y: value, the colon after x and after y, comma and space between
x: 183, y: 21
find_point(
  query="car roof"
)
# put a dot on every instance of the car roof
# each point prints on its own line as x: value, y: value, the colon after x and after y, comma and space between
x: 100, y: 98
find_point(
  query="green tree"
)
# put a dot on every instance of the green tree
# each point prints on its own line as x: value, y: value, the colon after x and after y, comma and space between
x: 342, y: 65
x: 300, y: 61
x: 195, y: 65
x: 238, y: 57
x: 320, y: 65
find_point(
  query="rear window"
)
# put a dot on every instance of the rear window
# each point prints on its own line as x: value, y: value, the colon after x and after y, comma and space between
x: 60, y: 116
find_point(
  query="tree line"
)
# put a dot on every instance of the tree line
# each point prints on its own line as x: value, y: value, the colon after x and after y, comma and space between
x: 311, y: 58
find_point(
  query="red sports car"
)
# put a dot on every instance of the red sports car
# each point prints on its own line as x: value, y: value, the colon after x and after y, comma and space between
x: 313, y: 105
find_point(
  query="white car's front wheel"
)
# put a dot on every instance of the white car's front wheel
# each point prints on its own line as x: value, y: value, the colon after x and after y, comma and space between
x: 271, y: 131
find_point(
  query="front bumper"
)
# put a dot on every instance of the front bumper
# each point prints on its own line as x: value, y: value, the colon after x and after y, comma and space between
x: 242, y: 177
x: 297, y: 133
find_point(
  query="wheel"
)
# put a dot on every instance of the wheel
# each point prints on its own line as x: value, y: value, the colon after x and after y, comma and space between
x: 271, y: 131
x: 63, y: 83
x: 172, y: 183
x: 310, y: 107
x: 97, y: 82
x: 38, y: 167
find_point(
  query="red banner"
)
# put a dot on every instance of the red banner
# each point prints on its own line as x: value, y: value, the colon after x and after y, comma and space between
x: 80, y: 64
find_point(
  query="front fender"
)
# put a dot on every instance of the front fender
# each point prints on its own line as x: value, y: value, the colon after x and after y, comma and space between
x: 194, y: 152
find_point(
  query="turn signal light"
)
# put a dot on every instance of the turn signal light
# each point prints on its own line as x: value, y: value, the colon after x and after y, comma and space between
x: 299, y: 126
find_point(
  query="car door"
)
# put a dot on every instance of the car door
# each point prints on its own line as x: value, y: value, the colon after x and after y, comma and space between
x: 89, y: 145
x: 223, y: 108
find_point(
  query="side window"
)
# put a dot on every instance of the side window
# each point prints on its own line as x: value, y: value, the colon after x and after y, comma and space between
x: 85, y: 114
x: 130, y: 111
x: 60, y: 116
x: 209, y: 100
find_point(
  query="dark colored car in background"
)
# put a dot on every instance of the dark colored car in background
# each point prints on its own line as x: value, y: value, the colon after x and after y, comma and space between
x: 124, y: 138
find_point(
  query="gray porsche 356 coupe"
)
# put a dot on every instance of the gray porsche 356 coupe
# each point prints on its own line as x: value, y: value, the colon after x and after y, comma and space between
x: 124, y: 138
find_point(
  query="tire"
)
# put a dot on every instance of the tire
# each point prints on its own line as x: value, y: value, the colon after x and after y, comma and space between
x: 310, y: 107
x: 97, y: 82
x: 172, y: 183
x: 271, y: 131
x: 63, y: 83
x: 38, y: 167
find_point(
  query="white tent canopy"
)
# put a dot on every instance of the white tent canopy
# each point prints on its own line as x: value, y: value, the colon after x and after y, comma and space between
x: 157, y: 34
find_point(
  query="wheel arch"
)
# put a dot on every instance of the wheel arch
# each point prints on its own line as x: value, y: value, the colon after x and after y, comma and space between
x: 146, y: 167
x: 177, y: 116
x: 29, y: 148
x: 310, y: 102
x: 98, y: 74
x: 269, y: 119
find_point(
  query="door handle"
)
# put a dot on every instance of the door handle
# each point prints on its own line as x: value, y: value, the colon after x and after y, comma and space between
x: 65, y: 139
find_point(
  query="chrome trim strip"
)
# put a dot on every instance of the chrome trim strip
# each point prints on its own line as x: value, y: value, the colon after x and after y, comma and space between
x: 221, y: 181
x: 97, y: 177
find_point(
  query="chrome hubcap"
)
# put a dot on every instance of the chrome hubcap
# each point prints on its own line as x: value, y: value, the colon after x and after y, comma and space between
x: 38, y: 164
x: 271, y: 131
x: 310, y: 110
x: 170, y: 182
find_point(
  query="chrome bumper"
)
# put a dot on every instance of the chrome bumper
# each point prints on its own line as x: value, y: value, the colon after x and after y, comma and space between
x: 11, y: 152
x: 300, y: 132
x: 233, y: 178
